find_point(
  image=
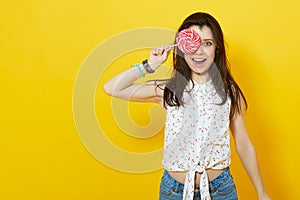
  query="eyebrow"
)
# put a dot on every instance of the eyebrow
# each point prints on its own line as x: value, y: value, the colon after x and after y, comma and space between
x: 207, y: 39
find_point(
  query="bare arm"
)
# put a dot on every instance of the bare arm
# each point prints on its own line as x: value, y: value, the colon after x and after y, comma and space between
x: 247, y: 154
x: 122, y: 85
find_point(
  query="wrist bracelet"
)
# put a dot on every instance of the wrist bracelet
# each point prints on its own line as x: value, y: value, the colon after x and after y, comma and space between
x: 139, y: 68
x: 147, y: 66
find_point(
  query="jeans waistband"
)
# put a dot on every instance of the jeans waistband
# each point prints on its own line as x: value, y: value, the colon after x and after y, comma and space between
x: 214, y: 183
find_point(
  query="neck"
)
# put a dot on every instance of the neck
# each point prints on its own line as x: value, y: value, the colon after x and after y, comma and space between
x: 198, y: 78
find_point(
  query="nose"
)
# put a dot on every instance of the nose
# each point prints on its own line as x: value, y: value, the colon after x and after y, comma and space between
x: 200, y: 50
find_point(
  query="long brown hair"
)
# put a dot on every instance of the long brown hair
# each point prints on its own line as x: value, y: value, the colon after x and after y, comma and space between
x: 219, y: 71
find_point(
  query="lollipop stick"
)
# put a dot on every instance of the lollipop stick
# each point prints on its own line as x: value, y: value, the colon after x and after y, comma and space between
x: 173, y: 45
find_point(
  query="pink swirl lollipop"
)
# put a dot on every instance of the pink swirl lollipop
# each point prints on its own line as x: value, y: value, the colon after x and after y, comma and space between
x: 188, y: 41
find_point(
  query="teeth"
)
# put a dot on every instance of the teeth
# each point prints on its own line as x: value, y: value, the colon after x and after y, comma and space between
x: 198, y: 59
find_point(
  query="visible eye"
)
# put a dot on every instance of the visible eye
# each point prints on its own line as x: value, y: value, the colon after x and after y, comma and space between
x: 207, y: 43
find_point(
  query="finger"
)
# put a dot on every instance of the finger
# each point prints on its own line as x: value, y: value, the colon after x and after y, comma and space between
x: 154, y: 51
x: 170, y: 47
x: 160, y: 50
x: 166, y: 49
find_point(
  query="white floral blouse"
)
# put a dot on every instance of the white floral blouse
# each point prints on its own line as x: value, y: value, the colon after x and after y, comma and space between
x: 197, y: 136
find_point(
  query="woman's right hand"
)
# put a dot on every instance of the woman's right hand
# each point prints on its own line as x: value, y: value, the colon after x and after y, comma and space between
x: 159, y: 55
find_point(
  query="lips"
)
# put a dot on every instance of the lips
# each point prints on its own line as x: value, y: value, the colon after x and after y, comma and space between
x: 199, y: 60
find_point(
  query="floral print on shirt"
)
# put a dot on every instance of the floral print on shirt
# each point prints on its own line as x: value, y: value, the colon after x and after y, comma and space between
x: 197, y: 136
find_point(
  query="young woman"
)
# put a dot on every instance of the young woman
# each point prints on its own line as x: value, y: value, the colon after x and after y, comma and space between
x: 202, y: 101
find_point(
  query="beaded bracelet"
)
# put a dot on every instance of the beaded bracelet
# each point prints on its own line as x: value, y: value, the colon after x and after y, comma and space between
x: 140, y: 69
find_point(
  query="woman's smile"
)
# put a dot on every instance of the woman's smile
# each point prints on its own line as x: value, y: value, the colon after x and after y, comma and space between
x: 198, y: 62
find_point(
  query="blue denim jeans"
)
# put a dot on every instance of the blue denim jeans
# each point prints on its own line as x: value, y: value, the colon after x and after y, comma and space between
x: 221, y: 188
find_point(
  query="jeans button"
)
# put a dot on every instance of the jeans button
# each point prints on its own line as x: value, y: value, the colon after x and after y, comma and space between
x: 214, y: 189
x: 175, y: 189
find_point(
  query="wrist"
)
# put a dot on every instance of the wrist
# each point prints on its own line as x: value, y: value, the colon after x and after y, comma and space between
x: 140, y: 69
x: 262, y: 194
x: 153, y: 66
x: 148, y: 66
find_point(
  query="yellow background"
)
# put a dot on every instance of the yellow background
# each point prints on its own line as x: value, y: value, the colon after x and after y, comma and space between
x: 44, y: 43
